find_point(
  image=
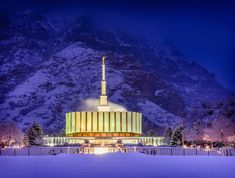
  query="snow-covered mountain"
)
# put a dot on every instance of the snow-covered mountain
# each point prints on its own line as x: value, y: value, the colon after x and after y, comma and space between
x: 51, y: 65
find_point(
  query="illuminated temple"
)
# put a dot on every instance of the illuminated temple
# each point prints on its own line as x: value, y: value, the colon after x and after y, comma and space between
x: 103, y: 122
x: 103, y: 126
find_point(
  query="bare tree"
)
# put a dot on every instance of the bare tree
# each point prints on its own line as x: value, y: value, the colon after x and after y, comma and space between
x: 222, y: 129
x: 9, y: 134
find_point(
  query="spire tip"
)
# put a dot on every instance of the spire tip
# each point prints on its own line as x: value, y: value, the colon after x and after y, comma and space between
x: 103, y: 58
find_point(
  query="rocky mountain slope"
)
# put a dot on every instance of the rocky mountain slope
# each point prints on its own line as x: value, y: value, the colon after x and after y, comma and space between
x: 51, y: 65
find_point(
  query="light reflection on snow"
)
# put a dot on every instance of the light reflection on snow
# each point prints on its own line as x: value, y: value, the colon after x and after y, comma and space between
x: 101, y: 150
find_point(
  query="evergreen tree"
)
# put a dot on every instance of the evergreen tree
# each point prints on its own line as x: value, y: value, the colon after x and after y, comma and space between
x: 34, y: 135
x: 168, y: 135
x: 26, y: 140
x: 177, y: 136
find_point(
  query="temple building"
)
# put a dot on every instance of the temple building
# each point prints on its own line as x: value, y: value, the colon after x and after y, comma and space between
x: 103, y: 126
x: 103, y: 122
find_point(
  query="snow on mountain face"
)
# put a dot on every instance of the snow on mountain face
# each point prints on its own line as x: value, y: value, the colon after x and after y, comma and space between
x: 48, y: 69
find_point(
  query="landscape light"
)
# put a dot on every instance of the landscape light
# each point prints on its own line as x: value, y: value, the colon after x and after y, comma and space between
x: 51, y: 144
x: 207, y: 148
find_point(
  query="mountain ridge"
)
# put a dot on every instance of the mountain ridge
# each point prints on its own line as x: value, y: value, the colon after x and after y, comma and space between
x: 49, y: 69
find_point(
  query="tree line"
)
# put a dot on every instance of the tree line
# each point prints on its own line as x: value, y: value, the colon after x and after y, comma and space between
x: 11, y: 135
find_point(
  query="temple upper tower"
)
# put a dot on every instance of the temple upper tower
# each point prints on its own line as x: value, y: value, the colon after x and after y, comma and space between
x: 103, y: 106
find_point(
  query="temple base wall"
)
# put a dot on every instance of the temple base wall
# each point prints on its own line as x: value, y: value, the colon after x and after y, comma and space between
x: 150, y: 141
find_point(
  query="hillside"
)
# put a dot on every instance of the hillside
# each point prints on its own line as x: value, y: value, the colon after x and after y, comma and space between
x: 51, y: 65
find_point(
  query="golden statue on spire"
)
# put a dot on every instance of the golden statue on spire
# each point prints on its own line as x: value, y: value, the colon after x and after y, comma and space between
x: 103, y: 58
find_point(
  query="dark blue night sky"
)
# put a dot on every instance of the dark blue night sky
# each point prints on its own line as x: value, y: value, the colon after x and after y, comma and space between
x: 203, y: 31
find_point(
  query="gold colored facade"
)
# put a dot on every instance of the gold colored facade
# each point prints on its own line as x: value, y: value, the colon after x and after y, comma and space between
x: 103, y: 124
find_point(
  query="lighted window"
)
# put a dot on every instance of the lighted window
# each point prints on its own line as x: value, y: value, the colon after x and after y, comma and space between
x: 94, y: 117
x: 88, y: 121
x: 118, y: 122
x: 112, y: 122
x: 101, y: 121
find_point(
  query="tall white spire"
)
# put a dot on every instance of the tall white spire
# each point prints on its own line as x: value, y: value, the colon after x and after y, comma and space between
x: 103, y: 97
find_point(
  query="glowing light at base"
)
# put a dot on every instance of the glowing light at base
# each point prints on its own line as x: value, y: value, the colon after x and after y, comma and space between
x: 51, y: 144
x: 101, y: 150
x: 207, y: 148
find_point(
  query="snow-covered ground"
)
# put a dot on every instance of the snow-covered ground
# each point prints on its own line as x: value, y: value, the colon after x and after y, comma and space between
x: 117, y: 165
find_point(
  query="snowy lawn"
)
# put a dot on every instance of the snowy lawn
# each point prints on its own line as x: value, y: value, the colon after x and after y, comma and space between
x: 117, y: 165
